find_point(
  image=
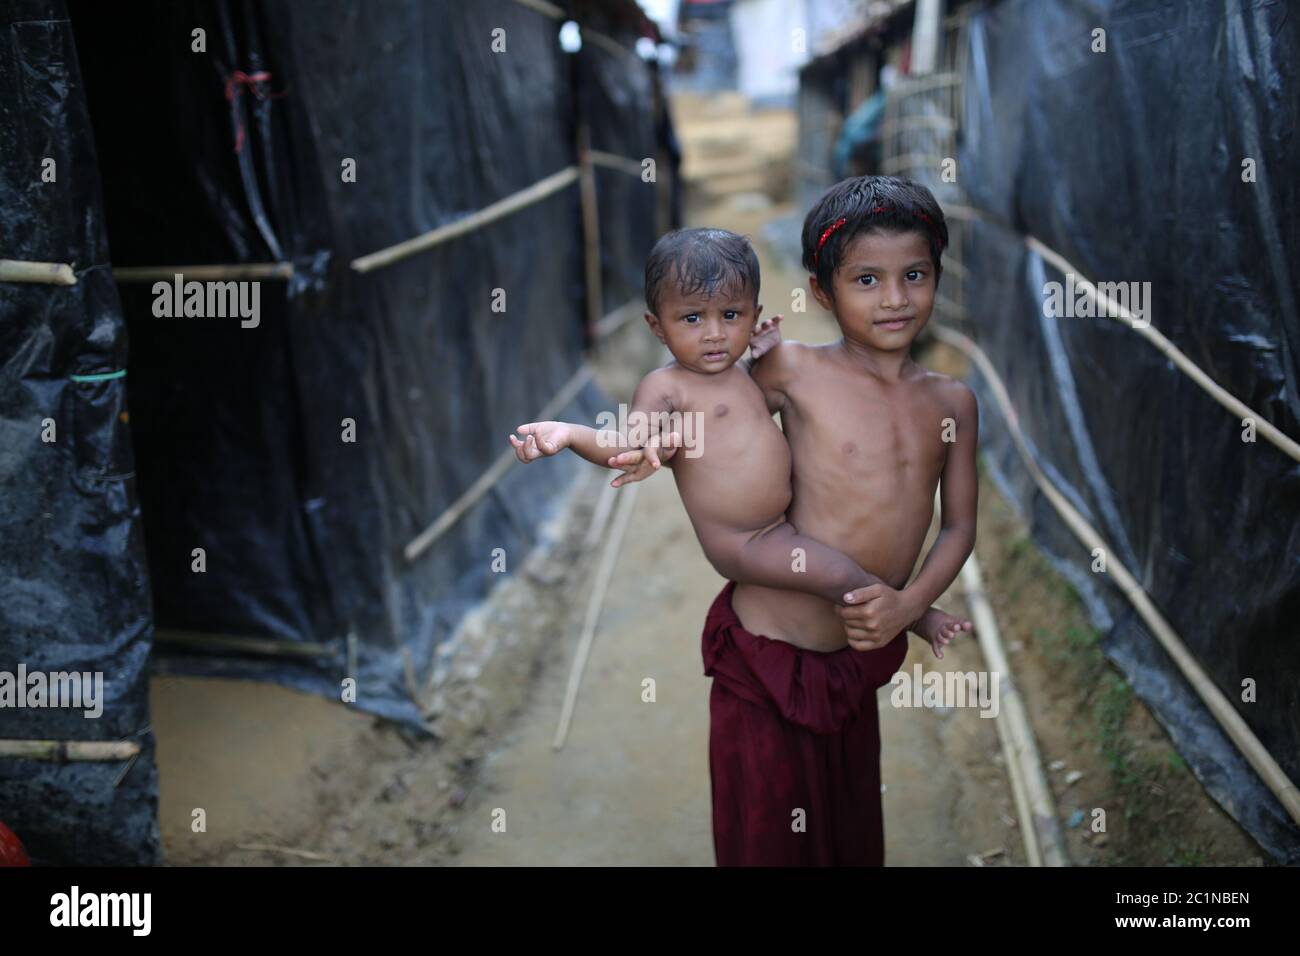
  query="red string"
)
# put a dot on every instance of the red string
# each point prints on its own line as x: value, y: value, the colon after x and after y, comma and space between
x: 236, y: 83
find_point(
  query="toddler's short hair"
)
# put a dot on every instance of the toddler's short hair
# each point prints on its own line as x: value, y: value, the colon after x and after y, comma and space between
x: 700, y: 260
x: 864, y: 203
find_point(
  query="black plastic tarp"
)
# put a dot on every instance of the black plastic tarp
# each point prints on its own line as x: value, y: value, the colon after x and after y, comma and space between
x: 618, y: 93
x: 1129, y: 163
x: 74, y: 588
x: 301, y: 453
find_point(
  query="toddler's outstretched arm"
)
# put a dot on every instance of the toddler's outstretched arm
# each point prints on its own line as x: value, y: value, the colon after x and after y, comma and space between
x: 600, y: 447
x: 651, y: 407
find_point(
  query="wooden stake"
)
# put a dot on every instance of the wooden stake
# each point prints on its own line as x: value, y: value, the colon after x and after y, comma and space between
x: 603, y: 575
x: 1044, y: 844
x: 590, y: 228
x: 600, y: 517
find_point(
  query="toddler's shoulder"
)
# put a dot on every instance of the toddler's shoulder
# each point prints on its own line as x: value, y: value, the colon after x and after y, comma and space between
x: 662, y: 385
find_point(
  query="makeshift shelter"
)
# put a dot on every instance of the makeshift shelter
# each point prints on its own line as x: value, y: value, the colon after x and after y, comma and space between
x: 1123, y: 211
x: 436, y: 208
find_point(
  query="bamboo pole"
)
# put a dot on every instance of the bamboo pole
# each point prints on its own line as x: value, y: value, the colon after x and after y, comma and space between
x: 896, y: 164
x: 1232, y: 723
x: 544, y: 8
x: 66, y: 750
x: 590, y: 228
x: 600, y: 517
x: 1171, y: 351
x: 287, y: 850
x: 956, y: 210
x: 595, y: 36
x: 939, y: 122
x: 421, y: 542
x: 205, y: 273
x: 504, y: 207
x: 614, y: 161
x: 261, y: 646
x: 616, y: 319
x: 1271, y: 432
x: 607, y: 43
x: 907, y: 85
x: 1044, y: 844
x: 603, y: 574
x: 49, y: 273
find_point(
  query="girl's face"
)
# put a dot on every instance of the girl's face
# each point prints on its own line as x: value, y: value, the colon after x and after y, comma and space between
x: 883, y: 289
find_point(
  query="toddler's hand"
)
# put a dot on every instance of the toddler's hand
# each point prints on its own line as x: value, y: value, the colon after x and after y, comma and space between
x: 765, y: 337
x: 541, y: 440
x: 939, y: 628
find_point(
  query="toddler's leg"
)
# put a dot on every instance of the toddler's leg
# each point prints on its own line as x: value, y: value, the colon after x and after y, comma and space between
x: 781, y: 557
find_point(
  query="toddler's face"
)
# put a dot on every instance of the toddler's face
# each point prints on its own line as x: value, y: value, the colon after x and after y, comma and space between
x: 705, y: 333
x: 884, y: 289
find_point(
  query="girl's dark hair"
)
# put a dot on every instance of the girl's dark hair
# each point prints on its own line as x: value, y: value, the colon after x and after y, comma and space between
x: 700, y: 260
x: 890, y: 203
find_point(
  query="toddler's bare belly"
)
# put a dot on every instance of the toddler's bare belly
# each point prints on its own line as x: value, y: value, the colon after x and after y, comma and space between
x: 741, y: 482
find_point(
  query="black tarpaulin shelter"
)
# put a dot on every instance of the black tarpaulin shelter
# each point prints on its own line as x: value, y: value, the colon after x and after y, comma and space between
x: 74, y: 586
x: 285, y: 478
x: 1131, y: 163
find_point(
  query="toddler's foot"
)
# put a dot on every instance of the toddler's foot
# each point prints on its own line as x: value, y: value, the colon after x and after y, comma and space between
x: 939, y: 628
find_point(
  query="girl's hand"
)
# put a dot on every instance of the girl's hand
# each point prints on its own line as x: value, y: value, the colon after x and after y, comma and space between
x: 765, y: 337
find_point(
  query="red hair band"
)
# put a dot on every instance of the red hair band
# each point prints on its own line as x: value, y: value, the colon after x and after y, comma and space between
x: 826, y: 235
x: 878, y: 209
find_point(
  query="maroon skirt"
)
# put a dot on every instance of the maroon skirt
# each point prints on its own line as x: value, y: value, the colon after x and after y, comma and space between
x: 794, y: 747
